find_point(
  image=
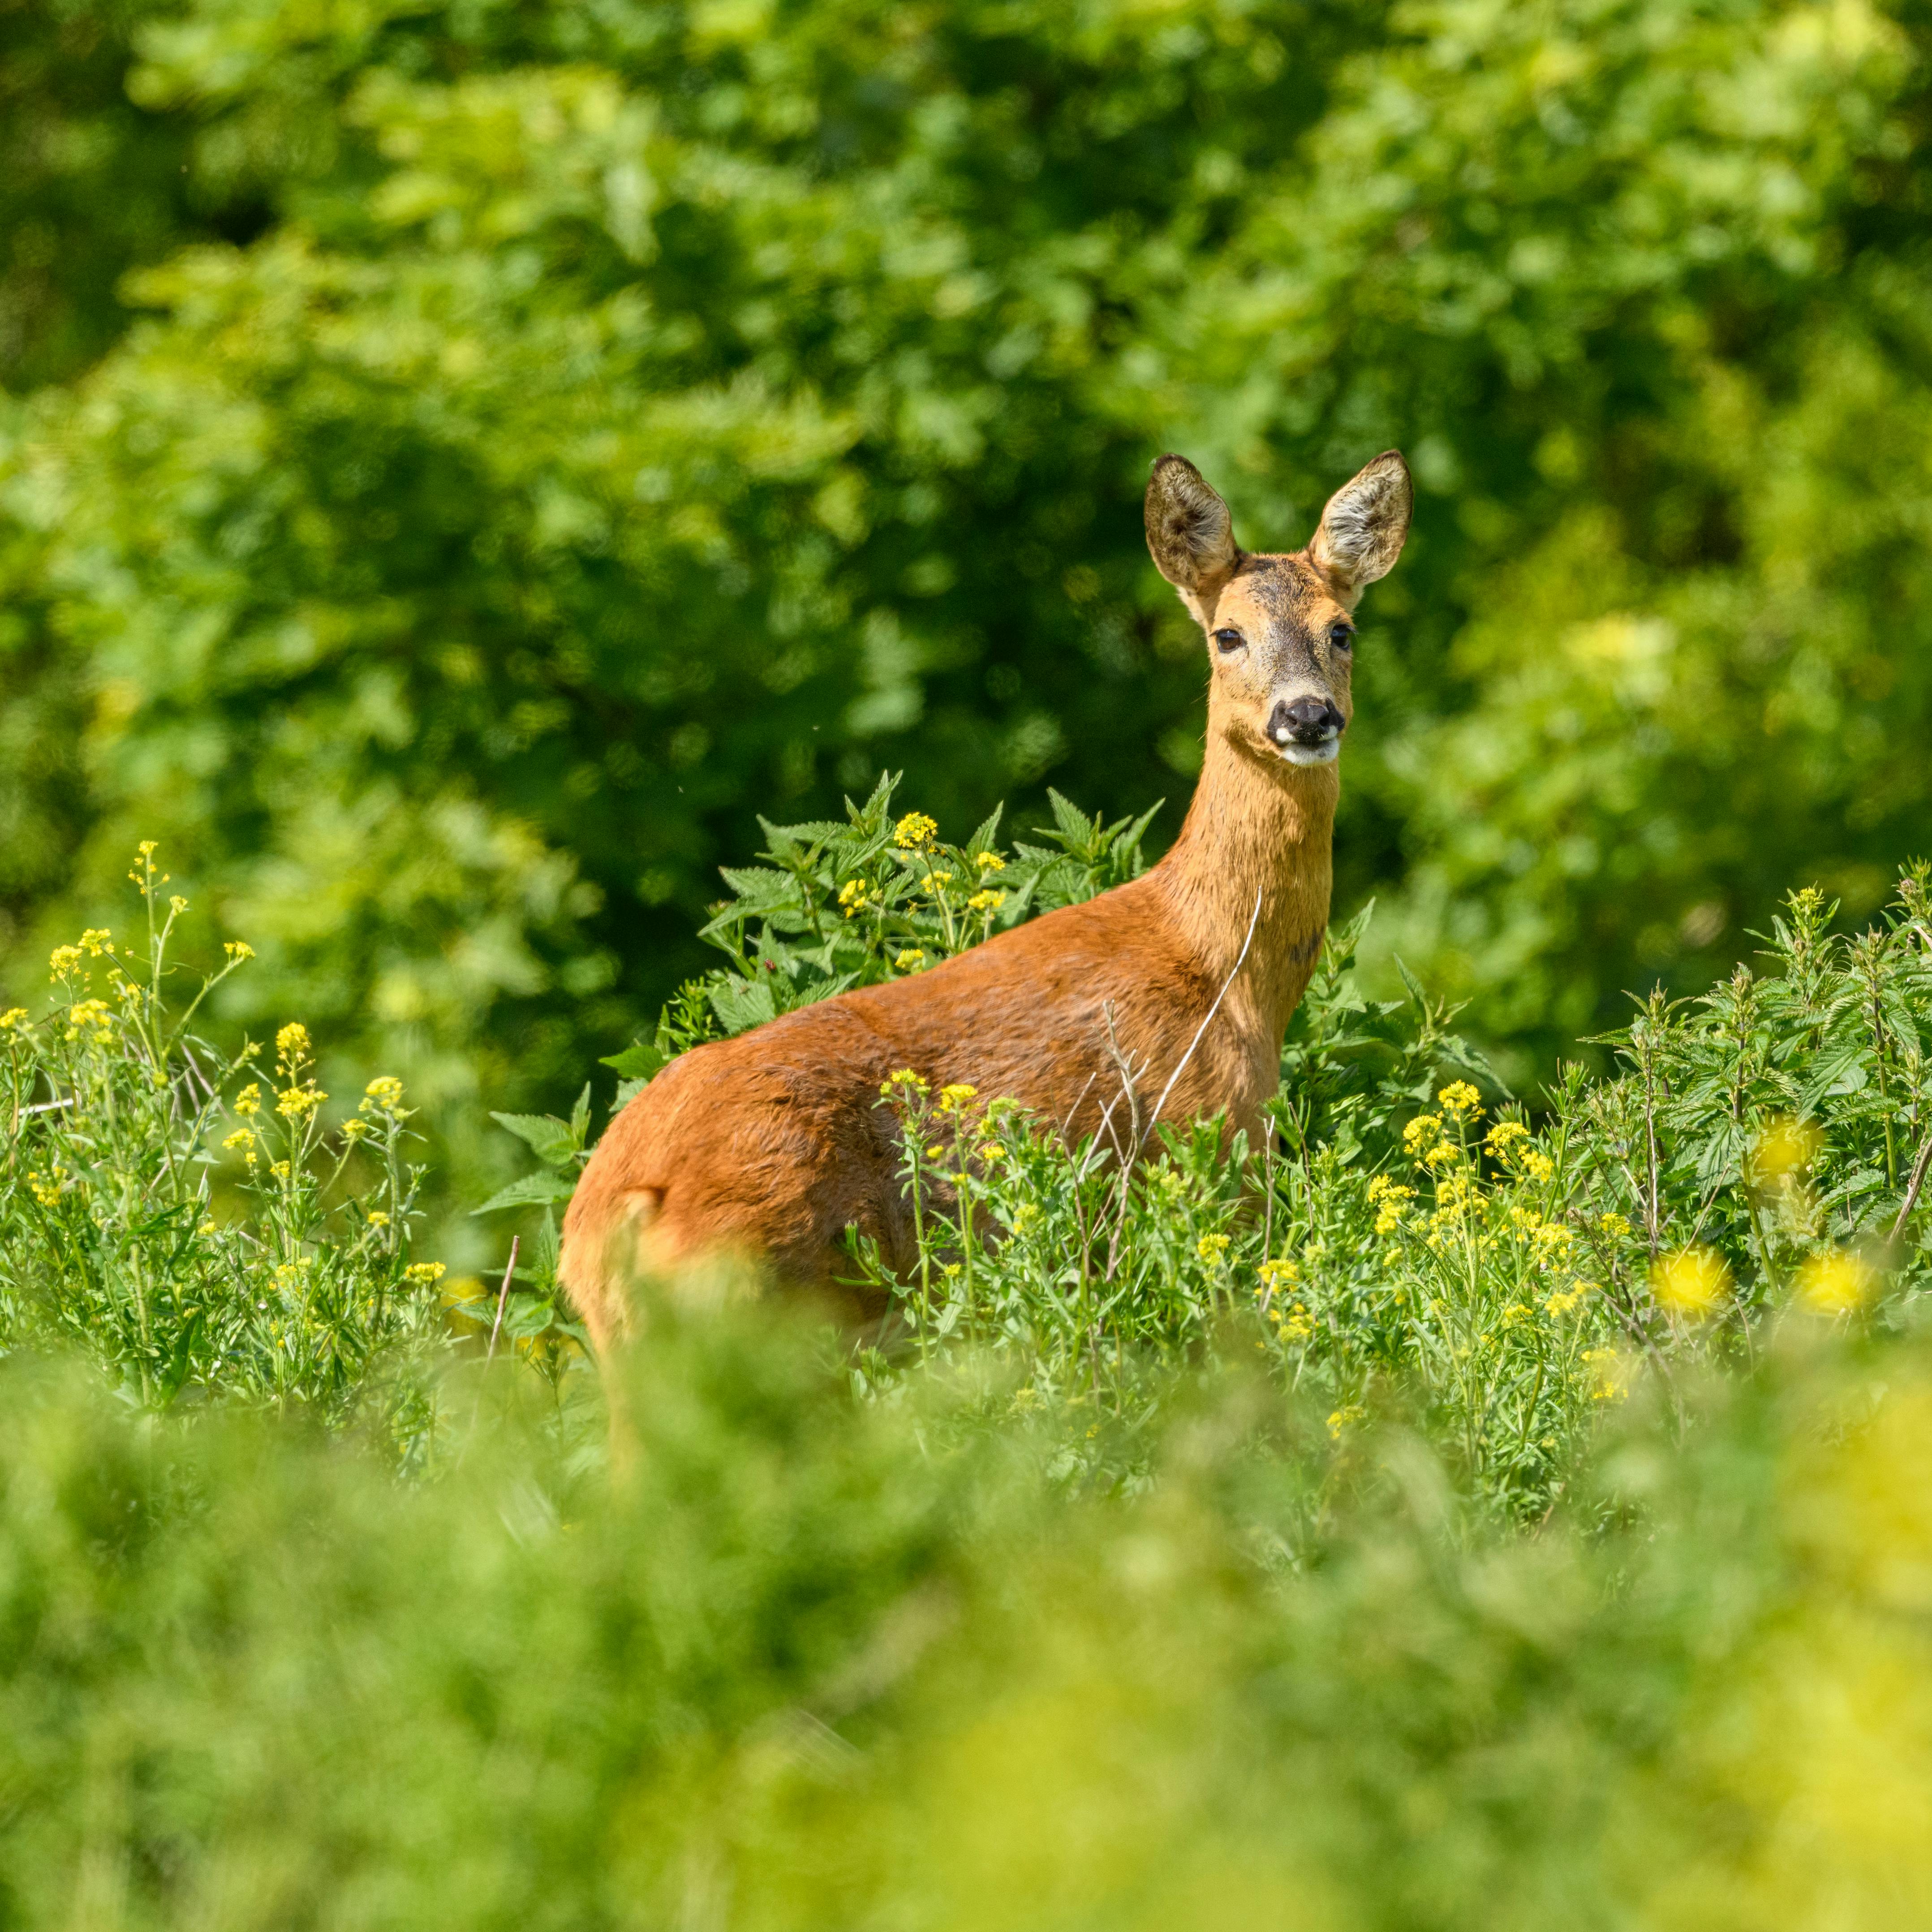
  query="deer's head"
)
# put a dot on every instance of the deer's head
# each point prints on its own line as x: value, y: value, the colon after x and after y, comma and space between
x: 1280, y: 639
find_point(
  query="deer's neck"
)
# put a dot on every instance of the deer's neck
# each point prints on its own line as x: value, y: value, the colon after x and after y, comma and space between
x: 1257, y: 832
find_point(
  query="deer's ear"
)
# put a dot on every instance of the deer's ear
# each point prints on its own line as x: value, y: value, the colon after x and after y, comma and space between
x: 1189, y: 529
x: 1363, y: 528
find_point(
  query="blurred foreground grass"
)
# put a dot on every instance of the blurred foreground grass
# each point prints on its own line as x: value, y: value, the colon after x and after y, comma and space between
x: 805, y: 1662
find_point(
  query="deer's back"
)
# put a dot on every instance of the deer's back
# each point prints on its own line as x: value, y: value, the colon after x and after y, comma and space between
x: 773, y: 1142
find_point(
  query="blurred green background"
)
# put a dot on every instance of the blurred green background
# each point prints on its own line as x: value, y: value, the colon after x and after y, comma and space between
x: 461, y: 460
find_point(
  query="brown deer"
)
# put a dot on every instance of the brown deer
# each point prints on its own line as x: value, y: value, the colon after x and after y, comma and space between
x: 772, y: 1143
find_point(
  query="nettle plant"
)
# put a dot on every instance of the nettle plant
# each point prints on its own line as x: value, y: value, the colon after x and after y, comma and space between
x: 186, y: 1216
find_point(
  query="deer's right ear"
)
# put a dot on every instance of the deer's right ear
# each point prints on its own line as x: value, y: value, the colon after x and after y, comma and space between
x: 1189, y: 531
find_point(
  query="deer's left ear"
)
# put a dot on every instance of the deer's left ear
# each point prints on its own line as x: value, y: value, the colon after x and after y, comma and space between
x: 1363, y: 528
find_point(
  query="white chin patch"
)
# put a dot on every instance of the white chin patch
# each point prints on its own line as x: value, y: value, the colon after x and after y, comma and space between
x: 1324, y: 754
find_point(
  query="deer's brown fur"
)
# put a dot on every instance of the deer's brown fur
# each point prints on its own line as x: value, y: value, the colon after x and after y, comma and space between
x: 770, y: 1144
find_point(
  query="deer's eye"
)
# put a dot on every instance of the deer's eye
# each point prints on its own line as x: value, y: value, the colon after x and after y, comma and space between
x: 1341, y: 636
x: 1229, y: 641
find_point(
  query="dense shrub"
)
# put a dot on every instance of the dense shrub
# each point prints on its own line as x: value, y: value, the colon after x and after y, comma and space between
x: 802, y: 1667
x: 537, y: 438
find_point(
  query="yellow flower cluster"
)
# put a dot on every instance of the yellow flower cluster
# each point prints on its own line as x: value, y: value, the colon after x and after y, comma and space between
x: 297, y: 1103
x: 914, y: 832
x: 14, y: 1017
x: 910, y: 957
x: 248, y: 1102
x: 952, y: 1098
x: 425, y: 1274
x: 292, y: 1045
x: 990, y: 862
x: 986, y: 902
x: 1342, y: 1418
x: 1390, y: 1201
x: 46, y: 1187
x: 1611, y: 1372
x: 1692, y: 1282
x: 383, y: 1094
x: 1421, y: 1133
x: 94, y: 1013
x: 1503, y: 1135
x: 904, y: 1081
x: 1837, y: 1284
x: 852, y: 898
x: 1460, y: 1101
x: 238, y: 949
x: 1784, y: 1149
x: 1213, y: 1249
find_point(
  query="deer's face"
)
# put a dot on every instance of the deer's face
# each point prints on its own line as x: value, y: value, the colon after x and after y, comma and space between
x: 1279, y: 628
x: 1280, y: 643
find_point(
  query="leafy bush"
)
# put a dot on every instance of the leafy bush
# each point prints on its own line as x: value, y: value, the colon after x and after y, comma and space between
x: 535, y: 439
x: 1758, y: 1156
x: 273, y: 1267
x: 806, y: 1667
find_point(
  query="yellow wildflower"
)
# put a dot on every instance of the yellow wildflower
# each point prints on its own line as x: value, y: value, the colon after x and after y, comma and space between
x: 1213, y: 1249
x: 1562, y: 1303
x: 952, y: 1098
x: 910, y: 957
x: 241, y: 1137
x: 1460, y: 1101
x: 354, y: 1130
x: 177, y: 905
x: 98, y: 940
x: 94, y: 1013
x: 1784, y: 1149
x: 1614, y: 1225
x: 62, y: 961
x: 238, y: 949
x: 1537, y: 1165
x: 914, y: 832
x: 1342, y: 1418
x: 937, y: 1151
x: 1837, y: 1284
x: 46, y: 1187
x: 280, y: 1169
x: 1611, y: 1373
x: 1692, y: 1282
x: 1444, y: 1154
x: 291, y: 1044
x: 990, y: 862
x: 938, y: 880
x: 296, y: 1103
x: 385, y: 1091
x: 377, y: 1218
x: 992, y: 1151
x: 249, y: 1100
x: 986, y: 902
x: 904, y: 1080
x: 1420, y: 1132
x: 13, y: 1017
x: 1274, y: 1274
x: 1024, y: 1216
x: 1498, y: 1140
x: 425, y: 1274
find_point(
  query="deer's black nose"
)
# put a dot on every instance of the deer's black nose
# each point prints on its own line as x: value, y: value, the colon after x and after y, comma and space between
x: 1308, y: 721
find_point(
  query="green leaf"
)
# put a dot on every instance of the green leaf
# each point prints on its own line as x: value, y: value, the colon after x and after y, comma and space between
x: 549, y: 1139
x: 533, y: 1190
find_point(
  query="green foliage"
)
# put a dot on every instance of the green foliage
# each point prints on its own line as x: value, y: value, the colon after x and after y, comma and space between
x: 272, y: 1268
x: 803, y: 1668
x: 571, y: 429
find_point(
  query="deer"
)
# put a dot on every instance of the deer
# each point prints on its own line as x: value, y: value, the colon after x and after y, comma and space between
x: 769, y: 1145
